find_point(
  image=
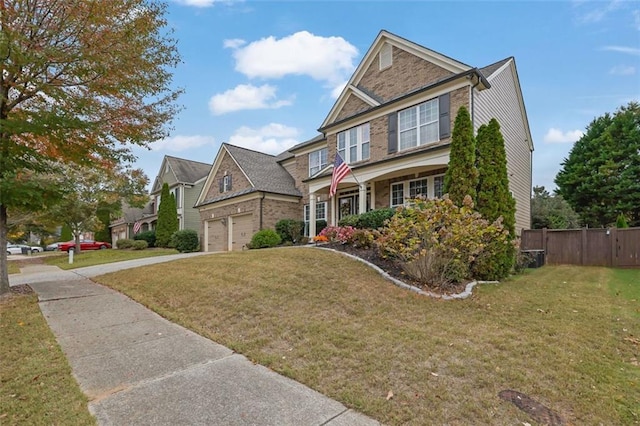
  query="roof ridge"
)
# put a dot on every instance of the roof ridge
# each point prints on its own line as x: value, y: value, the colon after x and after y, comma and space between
x: 248, y: 149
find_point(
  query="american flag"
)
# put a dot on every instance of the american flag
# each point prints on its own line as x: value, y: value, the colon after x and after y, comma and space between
x: 340, y: 170
x: 136, y: 227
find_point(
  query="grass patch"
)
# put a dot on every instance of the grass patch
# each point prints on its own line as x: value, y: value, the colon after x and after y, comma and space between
x: 35, y: 378
x: 555, y: 334
x: 13, y: 267
x: 99, y: 257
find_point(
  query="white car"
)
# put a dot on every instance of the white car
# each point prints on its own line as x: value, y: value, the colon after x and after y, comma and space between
x: 17, y: 248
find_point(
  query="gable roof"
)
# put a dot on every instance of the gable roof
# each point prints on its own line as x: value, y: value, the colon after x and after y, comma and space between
x: 263, y: 172
x: 185, y: 171
x: 490, y: 69
x: 352, y: 86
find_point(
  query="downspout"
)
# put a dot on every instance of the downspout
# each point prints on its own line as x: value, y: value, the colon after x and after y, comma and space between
x: 261, y: 199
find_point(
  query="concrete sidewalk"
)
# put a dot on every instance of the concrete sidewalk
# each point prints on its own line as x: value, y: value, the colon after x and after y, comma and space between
x: 139, y: 369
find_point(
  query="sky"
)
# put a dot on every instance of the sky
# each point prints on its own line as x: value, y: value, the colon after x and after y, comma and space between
x: 264, y: 74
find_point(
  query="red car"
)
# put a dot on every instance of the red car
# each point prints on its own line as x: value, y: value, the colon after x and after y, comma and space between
x: 84, y: 245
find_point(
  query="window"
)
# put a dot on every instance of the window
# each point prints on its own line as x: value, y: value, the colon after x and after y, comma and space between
x: 417, y: 188
x: 438, y: 186
x: 397, y: 194
x: 353, y: 144
x: 419, y: 125
x: 317, y: 161
x: 176, y: 193
x: 225, y: 183
x: 386, y: 56
x: 321, y: 211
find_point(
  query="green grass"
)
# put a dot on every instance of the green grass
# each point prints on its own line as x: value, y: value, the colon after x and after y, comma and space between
x: 558, y: 334
x: 36, y: 386
x: 13, y: 267
x: 99, y: 257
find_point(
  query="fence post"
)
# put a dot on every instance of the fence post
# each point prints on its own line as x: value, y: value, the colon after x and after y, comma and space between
x: 583, y: 247
x: 544, y: 245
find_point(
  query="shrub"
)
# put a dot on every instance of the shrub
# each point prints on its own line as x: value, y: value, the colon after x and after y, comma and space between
x: 139, y: 245
x: 320, y: 225
x: 148, y: 236
x: 265, y: 238
x: 185, y: 241
x: 362, y: 238
x: 621, y: 221
x: 124, y: 243
x: 290, y: 229
x: 439, y: 239
x: 375, y: 219
x: 341, y: 234
x: 349, y: 220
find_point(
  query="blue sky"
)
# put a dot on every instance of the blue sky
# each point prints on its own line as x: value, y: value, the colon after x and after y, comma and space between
x: 264, y: 75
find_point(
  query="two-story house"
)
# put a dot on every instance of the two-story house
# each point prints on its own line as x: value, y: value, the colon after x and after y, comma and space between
x: 392, y: 125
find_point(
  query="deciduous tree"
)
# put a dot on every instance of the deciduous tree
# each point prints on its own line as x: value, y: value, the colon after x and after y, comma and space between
x: 81, y: 81
x: 551, y: 211
x: 461, y: 178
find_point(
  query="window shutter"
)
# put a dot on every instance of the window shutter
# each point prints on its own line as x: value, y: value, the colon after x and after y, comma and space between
x: 393, y: 132
x: 445, y: 120
x: 221, y: 184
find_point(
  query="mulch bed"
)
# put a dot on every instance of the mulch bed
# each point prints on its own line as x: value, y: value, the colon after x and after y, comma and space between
x: 391, y: 267
x: 21, y: 289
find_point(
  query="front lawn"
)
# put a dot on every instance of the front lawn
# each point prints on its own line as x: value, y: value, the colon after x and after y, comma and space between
x: 36, y: 385
x: 565, y: 336
x: 99, y: 257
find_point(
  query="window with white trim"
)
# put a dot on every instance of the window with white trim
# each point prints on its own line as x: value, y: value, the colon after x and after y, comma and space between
x: 353, y: 144
x: 386, y: 56
x: 321, y: 211
x: 438, y: 186
x: 397, y: 194
x: 430, y: 187
x: 226, y: 183
x: 419, y: 125
x: 418, y: 188
x: 317, y: 161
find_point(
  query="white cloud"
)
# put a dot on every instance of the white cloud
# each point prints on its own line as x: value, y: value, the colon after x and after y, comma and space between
x: 338, y: 89
x: 558, y: 136
x: 597, y: 11
x: 622, y: 70
x: 182, y: 143
x: 328, y: 59
x: 233, y: 43
x: 623, y: 49
x: 196, y: 3
x: 246, y: 96
x: 273, y: 138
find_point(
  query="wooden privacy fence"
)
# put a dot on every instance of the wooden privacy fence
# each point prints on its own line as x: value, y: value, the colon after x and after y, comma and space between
x: 617, y: 247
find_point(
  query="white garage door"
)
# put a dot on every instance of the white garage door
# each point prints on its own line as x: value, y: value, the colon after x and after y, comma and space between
x: 241, y: 231
x: 216, y: 236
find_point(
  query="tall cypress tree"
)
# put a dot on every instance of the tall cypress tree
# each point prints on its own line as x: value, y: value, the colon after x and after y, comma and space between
x: 461, y: 178
x: 167, y: 217
x: 494, y: 198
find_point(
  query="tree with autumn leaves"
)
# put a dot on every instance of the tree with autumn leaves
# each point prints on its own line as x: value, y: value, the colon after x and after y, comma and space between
x: 81, y: 83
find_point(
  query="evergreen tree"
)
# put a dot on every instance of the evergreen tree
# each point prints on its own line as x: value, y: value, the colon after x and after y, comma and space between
x: 494, y: 198
x: 551, y: 211
x: 66, y: 234
x: 599, y: 179
x: 461, y: 178
x: 167, y: 217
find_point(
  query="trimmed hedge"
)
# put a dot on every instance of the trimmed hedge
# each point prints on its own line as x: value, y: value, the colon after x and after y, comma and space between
x: 185, y: 241
x: 148, y: 236
x: 124, y: 243
x: 265, y: 238
x: 140, y: 245
x: 372, y: 219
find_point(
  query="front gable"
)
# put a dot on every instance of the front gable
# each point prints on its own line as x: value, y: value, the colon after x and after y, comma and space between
x: 226, y: 178
x: 165, y: 175
x: 392, y: 67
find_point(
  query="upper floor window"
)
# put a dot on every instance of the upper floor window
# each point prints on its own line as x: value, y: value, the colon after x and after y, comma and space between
x: 225, y: 183
x: 317, y: 161
x: 176, y: 193
x: 353, y: 144
x: 386, y: 56
x: 418, y: 125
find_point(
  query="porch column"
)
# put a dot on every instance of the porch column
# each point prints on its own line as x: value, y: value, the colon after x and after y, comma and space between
x: 362, y: 198
x: 373, y: 195
x: 312, y: 214
x: 334, y: 210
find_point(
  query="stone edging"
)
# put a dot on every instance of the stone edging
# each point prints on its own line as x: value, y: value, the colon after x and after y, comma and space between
x: 466, y: 293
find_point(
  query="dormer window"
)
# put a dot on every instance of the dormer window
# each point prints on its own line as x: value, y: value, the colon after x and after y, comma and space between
x: 386, y: 56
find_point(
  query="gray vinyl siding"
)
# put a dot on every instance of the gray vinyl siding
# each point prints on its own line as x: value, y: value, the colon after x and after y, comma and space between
x: 191, y: 215
x: 501, y: 102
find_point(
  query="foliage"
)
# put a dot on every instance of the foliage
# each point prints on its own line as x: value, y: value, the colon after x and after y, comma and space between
x: 148, y: 236
x: 320, y: 225
x: 65, y: 233
x: 103, y: 233
x: 599, y: 178
x: 341, y: 234
x: 167, y: 217
x: 456, y: 236
x: 362, y: 238
x: 290, y: 229
x: 349, y: 220
x: 551, y: 211
x: 81, y: 83
x: 185, y: 241
x: 124, y: 243
x: 265, y: 238
x: 621, y: 221
x: 372, y: 219
x: 494, y: 198
x: 461, y: 178
x: 139, y: 245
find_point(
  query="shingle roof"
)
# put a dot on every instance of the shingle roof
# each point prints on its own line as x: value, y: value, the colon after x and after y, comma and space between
x: 490, y: 69
x: 263, y: 171
x: 188, y: 171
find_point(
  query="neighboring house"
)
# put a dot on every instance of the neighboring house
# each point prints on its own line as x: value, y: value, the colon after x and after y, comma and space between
x: 185, y: 179
x: 392, y: 124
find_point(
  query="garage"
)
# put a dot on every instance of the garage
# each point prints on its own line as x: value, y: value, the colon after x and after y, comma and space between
x: 241, y: 231
x: 216, y: 233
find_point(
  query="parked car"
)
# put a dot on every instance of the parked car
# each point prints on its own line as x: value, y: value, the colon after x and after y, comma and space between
x: 18, y: 248
x: 84, y: 245
x: 52, y: 247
